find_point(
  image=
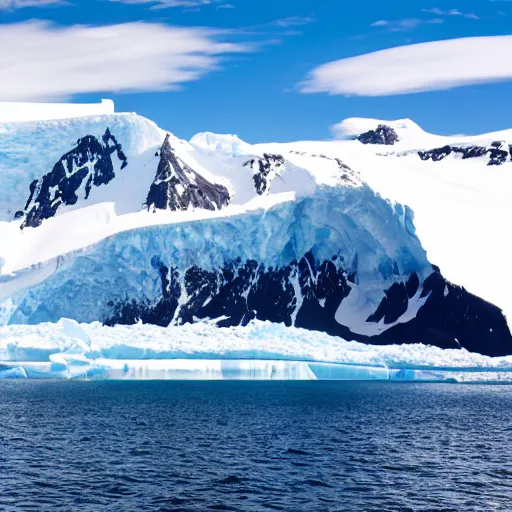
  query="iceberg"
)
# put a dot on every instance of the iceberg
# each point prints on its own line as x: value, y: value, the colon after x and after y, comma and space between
x: 258, y: 351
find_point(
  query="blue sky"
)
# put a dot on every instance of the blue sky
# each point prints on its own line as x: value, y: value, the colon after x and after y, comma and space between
x: 250, y: 76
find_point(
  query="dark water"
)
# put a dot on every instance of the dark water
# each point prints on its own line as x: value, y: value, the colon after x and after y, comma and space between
x: 119, y: 446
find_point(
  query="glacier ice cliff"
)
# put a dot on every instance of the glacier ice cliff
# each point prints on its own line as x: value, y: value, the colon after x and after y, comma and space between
x: 342, y: 261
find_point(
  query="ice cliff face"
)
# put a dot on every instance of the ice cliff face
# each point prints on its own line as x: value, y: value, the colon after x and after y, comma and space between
x: 288, y: 233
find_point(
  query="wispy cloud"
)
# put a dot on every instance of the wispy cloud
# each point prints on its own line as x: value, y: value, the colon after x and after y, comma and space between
x: 163, y: 4
x: 41, y: 61
x: 293, y: 21
x: 450, y: 12
x: 416, y: 68
x: 6, y: 5
x: 158, y: 4
x: 412, y: 23
x: 153, y: 4
x: 282, y: 27
x: 405, y: 24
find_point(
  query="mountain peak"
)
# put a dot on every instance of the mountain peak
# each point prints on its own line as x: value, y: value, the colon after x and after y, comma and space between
x: 354, y: 126
x: 228, y: 144
x: 179, y: 187
x: 382, y: 135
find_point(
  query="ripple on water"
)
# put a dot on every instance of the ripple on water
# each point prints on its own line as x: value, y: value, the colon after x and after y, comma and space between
x: 254, y: 446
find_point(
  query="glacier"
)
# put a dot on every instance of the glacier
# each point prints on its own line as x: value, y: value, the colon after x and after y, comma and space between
x: 109, y: 224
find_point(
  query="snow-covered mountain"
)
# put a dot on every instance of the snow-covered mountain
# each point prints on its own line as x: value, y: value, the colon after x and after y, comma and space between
x: 387, y: 237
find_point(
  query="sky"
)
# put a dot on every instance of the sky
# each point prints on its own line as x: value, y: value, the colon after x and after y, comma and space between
x: 267, y: 70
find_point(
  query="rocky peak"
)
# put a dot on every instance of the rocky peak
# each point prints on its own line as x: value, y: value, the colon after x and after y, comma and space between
x: 178, y: 187
x: 384, y: 135
x: 72, y: 177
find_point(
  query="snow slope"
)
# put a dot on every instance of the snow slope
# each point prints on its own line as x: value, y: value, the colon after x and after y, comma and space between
x: 461, y: 207
x: 337, y: 237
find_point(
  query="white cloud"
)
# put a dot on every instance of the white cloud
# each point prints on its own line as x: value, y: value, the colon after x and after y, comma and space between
x: 18, y: 4
x: 405, y: 24
x: 162, y: 4
x: 450, y: 12
x: 154, y: 4
x: 40, y: 61
x: 292, y: 21
x: 416, y: 68
x: 411, y: 23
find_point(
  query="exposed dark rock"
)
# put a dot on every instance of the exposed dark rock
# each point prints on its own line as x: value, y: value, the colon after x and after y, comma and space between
x: 90, y: 163
x: 307, y: 294
x: 384, y: 135
x: 497, y: 156
x: 435, y: 154
x: 393, y: 306
x: 412, y: 285
x: 452, y: 314
x: 178, y: 187
x: 33, y: 188
x: 263, y: 167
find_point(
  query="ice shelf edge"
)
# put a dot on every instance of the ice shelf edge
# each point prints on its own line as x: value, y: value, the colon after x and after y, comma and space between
x: 77, y: 368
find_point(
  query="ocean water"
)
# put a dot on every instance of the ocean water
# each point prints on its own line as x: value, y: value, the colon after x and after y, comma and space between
x: 247, y: 446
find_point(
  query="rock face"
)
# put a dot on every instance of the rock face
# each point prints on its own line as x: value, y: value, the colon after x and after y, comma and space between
x: 178, y: 187
x: 497, y: 155
x: 265, y: 170
x: 384, y: 135
x: 72, y: 177
x: 307, y: 294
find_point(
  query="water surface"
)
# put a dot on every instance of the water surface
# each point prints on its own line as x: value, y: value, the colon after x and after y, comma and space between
x: 248, y: 446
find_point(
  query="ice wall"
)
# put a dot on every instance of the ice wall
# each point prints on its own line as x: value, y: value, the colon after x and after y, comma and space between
x: 364, y: 233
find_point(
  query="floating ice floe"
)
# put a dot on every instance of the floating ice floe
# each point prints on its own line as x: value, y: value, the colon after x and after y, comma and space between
x: 259, y: 351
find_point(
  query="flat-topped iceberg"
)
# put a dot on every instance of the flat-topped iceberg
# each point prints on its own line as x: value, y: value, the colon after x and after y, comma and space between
x: 260, y: 351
